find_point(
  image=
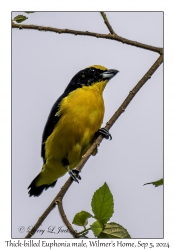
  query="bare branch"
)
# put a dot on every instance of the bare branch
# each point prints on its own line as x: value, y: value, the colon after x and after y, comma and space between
x: 64, y: 218
x: 107, y: 23
x: 87, y: 33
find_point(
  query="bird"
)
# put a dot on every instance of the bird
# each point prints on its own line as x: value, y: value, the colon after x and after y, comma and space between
x: 73, y: 124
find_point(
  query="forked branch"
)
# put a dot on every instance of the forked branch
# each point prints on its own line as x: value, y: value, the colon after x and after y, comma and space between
x: 111, y: 36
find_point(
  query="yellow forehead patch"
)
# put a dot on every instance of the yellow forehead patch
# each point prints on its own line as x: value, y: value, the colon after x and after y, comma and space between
x: 98, y: 67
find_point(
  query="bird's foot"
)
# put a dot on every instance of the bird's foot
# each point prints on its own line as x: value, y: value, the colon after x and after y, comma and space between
x: 104, y: 132
x: 74, y: 174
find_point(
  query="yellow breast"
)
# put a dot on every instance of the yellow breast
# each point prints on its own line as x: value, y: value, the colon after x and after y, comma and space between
x: 81, y: 115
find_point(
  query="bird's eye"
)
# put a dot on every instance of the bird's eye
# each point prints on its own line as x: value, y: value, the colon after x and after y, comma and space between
x: 91, y: 71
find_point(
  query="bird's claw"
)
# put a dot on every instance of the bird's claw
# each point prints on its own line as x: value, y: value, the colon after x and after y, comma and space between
x: 74, y: 174
x: 104, y: 132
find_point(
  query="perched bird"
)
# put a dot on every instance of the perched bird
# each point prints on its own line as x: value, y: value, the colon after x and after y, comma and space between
x: 73, y: 124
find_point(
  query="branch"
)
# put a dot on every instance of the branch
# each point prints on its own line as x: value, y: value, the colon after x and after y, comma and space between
x: 58, y: 199
x: 112, y: 36
x: 107, y: 23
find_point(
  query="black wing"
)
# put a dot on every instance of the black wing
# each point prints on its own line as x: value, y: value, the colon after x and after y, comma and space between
x: 50, y: 124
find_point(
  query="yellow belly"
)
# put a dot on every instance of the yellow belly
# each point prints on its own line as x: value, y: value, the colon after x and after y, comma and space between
x: 81, y: 114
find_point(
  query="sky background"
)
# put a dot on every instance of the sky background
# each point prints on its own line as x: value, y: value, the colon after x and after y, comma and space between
x: 43, y: 63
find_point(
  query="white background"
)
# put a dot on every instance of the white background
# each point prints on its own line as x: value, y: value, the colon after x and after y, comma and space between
x: 43, y: 63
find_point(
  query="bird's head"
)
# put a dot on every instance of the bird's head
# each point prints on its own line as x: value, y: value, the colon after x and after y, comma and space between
x: 90, y: 76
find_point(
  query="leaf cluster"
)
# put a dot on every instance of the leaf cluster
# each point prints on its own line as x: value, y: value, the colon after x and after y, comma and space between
x: 103, y: 208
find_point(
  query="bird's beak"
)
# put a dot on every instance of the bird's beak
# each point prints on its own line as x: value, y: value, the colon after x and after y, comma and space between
x: 108, y: 74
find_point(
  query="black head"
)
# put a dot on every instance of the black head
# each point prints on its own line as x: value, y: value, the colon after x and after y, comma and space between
x: 90, y: 76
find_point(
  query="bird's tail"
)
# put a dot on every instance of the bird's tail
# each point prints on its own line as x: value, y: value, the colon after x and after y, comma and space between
x: 35, y: 190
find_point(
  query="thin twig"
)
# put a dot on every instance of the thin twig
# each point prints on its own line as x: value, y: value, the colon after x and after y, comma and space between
x: 87, y: 33
x: 59, y: 203
x: 107, y: 23
x: 109, y: 124
x: 84, y: 231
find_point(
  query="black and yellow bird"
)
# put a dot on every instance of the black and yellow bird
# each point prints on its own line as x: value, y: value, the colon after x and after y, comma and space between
x: 73, y: 124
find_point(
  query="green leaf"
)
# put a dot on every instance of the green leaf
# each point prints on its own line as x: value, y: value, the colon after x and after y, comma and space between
x: 103, y: 204
x: 114, y: 230
x: 97, y: 227
x: 80, y: 219
x: 20, y: 18
x: 155, y: 183
x: 29, y: 12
